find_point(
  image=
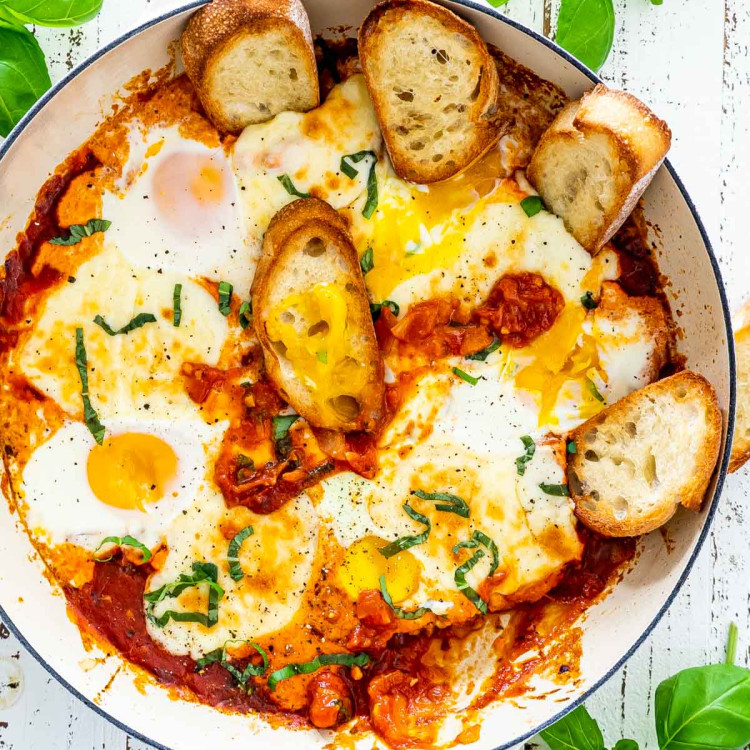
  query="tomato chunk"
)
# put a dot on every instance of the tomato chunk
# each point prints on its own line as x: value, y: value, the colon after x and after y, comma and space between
x: 330, y: 700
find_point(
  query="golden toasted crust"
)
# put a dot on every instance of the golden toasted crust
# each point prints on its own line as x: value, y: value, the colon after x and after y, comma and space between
x: 374, y: 39
x: 216, y: 28
x: 595, y: 161
x: 741, y: 442
x: 289, y: 235
x: 640, y: 458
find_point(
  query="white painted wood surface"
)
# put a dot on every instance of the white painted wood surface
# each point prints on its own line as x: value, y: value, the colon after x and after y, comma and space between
x: 688, y: 59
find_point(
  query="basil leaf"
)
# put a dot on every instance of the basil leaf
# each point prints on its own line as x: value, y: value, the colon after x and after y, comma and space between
x: 210, y: 658
x: 591, y: 385
x: 366, y: 262
x: 575, y: 731
x: 470, y: 379
x: 482, y: 354
x: 588, y: 301
x: 376, y: 307
x: 558, y: 490
x: 225, y: 297
x: 460, y: 578
x: 704, y: 707
x: 450, y: 503
x: 731, y: 644
x: 477, y: 538
x: 76, y: 232
x: 586, y: 28
x: 286, y: 181
x: 571, y: 447
x: 348, y: 169
x: 203, y: 572
x: 497, y: 3
x: 96, y: 428
x: 245, y: 314
x: 521, y: 461
x: 322, y: 357
x: 626, y: 745
x: 120, y: 542
x: 531, y: 205
x: 177, y: 305
x: 219, y: 656
x: 137, y: 322
x: 235, y: 569
x: 308, y: 667
x: 23, y: 74
x: 52, y: 12
x: 404, y: 542
x: 281, y: 425
x: 401, y: 613
x: 372, y: 181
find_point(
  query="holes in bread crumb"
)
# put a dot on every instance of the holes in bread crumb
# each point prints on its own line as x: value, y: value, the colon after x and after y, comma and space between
x: 574, y: 483
x: 681, y: 392
x: 591, y: 456
x: 280, y: 348
x: 405, y: 96
x: 437, y: 158
x: 594, y: 495
x: 649, y: 470
x: 453, y: 79
x: 620, y: 508
x: 401, y: 130
x: 287, y: 317
x: 441, y: 56
x: 590, y: 436
x: 450, y: 163
x: 346, y: 407
x: 293, y: 74
x: 350, y: 288
x: 314, y: 248
x: 475, y: 93
x: 631, y: 429
x: 416, y: 145
x: 263, y: 107
x: 321, y: 327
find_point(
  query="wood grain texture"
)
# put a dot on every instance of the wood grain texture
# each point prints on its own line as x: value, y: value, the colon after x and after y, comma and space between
x: 690, y: 61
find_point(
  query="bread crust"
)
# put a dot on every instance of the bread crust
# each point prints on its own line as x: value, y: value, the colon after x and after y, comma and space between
x: 487, y: 127
x: 741, y: 444
x: 596, y: 512
x: 638, y: 138
x: 215, y: 27
x: 288, y: 233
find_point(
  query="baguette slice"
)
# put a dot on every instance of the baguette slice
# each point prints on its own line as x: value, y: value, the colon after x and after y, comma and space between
x: 434, y: 87
x: 596, y: 159
x: 741, y: 443
x: 250, y: 60
x: 312, y: 317
x: 636, y: 461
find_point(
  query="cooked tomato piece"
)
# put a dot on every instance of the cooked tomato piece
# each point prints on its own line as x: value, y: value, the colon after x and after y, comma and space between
x: 520, y: 307
x: 330, y: 700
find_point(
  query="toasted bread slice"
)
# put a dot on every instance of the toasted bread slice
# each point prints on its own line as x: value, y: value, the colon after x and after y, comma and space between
x: 250, y: 60
x: 434, y: 86
x: 312, y: 317
x: 596, y: 159
x: 636, y: 461
x: 741, y: 443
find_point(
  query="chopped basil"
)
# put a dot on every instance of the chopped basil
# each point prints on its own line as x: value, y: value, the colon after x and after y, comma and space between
x: 460, y: 578
x: 76, y: 232
x: 594, y: 390
x: 137, y: 322
x: 376, y: 307
x: 177, y: 305
x: 482, y: 354
x: 470, y: 379
x: 245, y: 314
x: 558, y: 490
x: 322, y: 357
x: 89, y: 413
x: 366, y: 262
x: 404, y: 542
x: 308, y: 667
x: 281, y: 425
x: 225, y: 297
x: 121, y: 542
x: 446, y: 502
x: 235, y: 569
x: 521, y: 461
x: 531, y: 205
x: 286, y: 181
x: 588, y: 301
x: 477, y: 538
x: 203, y: 572
x: 571, y: 446
x: 401, y: 613
x: 372, y: 181
x: 219, y: 656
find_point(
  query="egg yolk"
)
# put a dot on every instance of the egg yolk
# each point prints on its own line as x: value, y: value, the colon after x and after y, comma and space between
x: 131, y: 470
x: 363, y: 565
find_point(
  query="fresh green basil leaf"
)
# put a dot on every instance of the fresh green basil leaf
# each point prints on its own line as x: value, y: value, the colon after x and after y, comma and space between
x: 704, y: 707
x: 521, y: 461
x: 470, y: 379
x: 281, y: 425
x: 482, y: 354
x: 376, y: 307
x: 575, y: 731
x: 571, y: 446
x: 398, y: 611
x: 90, y: 417
x: 445, y: 501
x: 23, y: 74
x: 588, y: 301
x: 52, y: 12
x: 177, y: 305
x: 531, y: 205
x: 308, y: 667
x: 138, y: 321
x: 245, y: 314
x: 118, y: 541
x: 404, y: 542
x: 233, y: 553
x: 367, y: 262
x: 626, y: 745
x: 731, y: 644
x: 594, y: 391
x: 76, y: 232
x: 286, y: 181
x: 558, y: 490
x: 497, y: 3
x: 225, y: 297
x: 460, y: 577
x: 586, y: 28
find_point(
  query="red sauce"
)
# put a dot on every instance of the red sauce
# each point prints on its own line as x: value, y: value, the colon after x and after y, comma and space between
x: 638, y: 274
x: 520, y: 307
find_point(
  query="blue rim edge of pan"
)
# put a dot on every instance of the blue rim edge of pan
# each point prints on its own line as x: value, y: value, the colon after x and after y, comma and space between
x: 722, y: 472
